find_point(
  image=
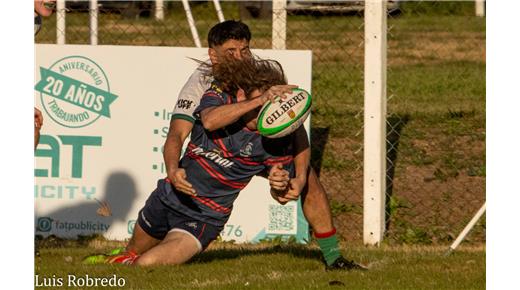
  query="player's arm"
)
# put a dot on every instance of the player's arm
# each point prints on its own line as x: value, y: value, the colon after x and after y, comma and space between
x: 216, y: 117
x: 284, y: 189
x: 302, y: 157
x: 302, y: 153
x: 181, y: 125
x: 178, y: 132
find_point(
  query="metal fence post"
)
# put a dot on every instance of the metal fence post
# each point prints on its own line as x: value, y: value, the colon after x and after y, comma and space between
x: 374, y: 171
x: 279, y: 24
x: 191, y: 23
x: 159, y: 10
x: 466, y: 230
x: 60, y: 22
x: 93, y: 11
x: 480, y: 8
x: 218, y: 8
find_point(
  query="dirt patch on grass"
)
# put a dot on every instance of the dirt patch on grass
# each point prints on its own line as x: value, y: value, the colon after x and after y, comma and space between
x: 433, y: 196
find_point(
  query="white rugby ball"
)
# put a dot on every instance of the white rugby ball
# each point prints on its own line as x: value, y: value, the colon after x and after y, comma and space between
x: 283, y: 117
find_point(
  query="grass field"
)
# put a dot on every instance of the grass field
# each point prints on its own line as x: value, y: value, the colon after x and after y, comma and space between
x: 271, y: 266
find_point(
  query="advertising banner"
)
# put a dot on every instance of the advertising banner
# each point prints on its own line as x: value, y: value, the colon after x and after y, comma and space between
x: 106, y: 115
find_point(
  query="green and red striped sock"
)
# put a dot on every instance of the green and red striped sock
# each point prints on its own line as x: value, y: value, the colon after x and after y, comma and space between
x: 329, y: 246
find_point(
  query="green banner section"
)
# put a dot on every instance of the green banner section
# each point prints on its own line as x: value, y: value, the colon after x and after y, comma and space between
x: 75, y: 92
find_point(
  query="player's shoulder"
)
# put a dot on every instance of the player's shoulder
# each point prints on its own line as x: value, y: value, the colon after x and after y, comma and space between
x: 203, y: 73
x: 200, y: 79
x: 215, y: 90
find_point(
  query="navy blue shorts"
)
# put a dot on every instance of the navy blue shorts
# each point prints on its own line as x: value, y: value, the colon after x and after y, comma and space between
x: 157, y: 220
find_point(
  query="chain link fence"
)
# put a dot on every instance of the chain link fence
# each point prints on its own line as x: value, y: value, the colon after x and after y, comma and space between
x: 436, y: 122
x: 436, y: 92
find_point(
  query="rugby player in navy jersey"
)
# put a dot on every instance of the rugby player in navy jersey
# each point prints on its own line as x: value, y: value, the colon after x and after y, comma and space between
x: 173, y: 226
x: 231, y: 39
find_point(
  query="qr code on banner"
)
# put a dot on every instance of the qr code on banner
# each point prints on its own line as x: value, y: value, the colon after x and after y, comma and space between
x: 282, y: 219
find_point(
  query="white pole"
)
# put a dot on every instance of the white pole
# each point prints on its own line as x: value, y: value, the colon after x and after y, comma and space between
x: 159, y: 10
x: 219, y: 10
x: 60, y: 22
x: 94, y: 9
x: 279, y: 32
x: 480, y: 8
x: 374, y: 172
x: 466, y: 230
x: 191, y: 23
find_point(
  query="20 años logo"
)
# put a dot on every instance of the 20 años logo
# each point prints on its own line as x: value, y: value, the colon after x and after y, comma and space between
x: 75, y: 91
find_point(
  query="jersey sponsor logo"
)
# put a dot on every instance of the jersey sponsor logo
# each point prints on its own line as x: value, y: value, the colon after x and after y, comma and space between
x: 216, y: 88
x: 247, y: 150
x: 214, y: 156
x: 184, y: 104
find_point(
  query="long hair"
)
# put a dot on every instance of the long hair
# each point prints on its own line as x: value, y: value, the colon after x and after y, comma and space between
x: 249, y: 74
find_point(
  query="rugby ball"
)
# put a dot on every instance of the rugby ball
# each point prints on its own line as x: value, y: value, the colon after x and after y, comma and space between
x: 282, y: 117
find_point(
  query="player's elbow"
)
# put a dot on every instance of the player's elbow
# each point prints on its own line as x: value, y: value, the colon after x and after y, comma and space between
x: 208, y: 124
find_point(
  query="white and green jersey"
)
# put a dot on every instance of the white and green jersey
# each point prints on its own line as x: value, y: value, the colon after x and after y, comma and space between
x: 191, y: 93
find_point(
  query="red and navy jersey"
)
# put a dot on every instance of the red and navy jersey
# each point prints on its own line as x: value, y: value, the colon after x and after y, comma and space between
x: 221, y: 163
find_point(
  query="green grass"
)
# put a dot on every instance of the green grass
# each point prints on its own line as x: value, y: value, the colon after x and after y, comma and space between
x: 437, y: 88
x: 285, y: 267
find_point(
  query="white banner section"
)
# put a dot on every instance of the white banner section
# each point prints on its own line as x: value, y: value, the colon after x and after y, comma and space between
x: 106, y: 114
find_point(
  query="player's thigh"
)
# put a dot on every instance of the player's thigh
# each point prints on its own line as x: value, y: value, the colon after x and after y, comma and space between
x: 176, y: 248
x: 151, y: 226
